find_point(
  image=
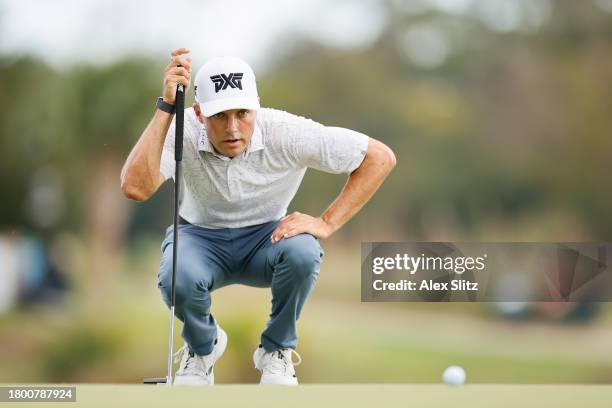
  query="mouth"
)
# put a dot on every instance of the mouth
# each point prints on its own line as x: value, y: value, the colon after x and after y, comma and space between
x: 231, y: 142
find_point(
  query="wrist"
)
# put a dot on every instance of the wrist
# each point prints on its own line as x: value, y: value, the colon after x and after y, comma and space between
x: 330, y: 226
x: 164, y: 106
x: 165, y: 116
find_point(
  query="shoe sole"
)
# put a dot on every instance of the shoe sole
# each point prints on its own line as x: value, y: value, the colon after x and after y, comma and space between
x: 274, y: 380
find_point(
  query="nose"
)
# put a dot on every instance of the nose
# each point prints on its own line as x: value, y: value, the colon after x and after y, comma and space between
x: 232, y: 124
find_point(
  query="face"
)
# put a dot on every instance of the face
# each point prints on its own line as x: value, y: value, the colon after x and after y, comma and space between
x: 229, y: 131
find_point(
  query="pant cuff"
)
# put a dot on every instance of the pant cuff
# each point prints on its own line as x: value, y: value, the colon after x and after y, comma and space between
x: 204, y: 349
x: 270, y: 346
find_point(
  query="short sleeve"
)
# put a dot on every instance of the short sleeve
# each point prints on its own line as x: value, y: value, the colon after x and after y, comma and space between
x: 330, y: 149
x: 334, y: 150
x: 166, y: 165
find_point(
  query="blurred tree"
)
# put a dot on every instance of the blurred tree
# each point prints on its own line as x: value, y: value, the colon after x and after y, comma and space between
x: 31, y: 126
x: 111, y: 108
x: 491, y: 119
x: 509, y: 122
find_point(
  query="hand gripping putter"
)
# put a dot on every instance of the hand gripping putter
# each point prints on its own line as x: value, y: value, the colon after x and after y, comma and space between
x: 178, y: 157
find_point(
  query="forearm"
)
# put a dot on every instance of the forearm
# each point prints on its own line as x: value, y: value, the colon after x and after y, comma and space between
x: 361, y: 185
x: 140, y: 176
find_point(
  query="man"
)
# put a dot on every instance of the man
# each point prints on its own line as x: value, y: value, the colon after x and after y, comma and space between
x: 242, y: 167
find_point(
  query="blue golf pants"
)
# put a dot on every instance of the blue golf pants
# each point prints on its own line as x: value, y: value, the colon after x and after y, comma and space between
x: 209, y: 259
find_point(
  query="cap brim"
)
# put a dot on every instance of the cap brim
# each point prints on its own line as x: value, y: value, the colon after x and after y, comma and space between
x: 214, y: 107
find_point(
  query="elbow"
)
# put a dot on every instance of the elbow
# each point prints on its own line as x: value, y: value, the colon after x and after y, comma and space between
x: 386, y: 157
x: 133, y: 193
x: 379, y: 156
x: 390, y: 158
x: 132, y: 186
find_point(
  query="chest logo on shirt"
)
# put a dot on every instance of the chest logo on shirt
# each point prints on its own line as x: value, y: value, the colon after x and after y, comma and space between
x: 222, y: 81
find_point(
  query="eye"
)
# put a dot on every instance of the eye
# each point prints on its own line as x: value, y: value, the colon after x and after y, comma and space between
x: 219, y: 115
x: 243, y: 113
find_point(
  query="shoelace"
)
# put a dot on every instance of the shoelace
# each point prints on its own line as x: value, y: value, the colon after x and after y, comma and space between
x: 193, y: 364
x: 278, y: 362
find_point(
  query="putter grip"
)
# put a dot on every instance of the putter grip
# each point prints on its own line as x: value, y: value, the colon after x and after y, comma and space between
x: 180, y: 118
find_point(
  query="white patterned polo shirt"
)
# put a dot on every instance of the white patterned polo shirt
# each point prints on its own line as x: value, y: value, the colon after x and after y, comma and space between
x: 257, y: 186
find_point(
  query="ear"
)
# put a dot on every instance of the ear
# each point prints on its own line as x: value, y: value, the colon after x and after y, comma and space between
x: 198, y: 112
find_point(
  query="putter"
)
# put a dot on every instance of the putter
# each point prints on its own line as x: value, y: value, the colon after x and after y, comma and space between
x: 178, y: 157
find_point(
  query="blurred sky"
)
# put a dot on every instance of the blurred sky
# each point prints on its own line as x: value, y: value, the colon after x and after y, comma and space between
x: 65, y: 31
x: 101, y: 31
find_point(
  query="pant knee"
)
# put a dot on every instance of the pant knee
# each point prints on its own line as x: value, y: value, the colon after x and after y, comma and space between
x: 192, y: 289
x: 303, y: 254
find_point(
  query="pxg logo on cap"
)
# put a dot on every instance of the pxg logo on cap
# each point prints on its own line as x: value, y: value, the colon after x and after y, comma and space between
x: 222, y: 81
x: 226, y: 83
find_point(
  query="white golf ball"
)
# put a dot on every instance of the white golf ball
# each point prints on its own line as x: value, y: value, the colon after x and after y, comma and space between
x: 454, y: 375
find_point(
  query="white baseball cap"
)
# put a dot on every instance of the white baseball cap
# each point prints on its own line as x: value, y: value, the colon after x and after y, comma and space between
x: 225, y: 83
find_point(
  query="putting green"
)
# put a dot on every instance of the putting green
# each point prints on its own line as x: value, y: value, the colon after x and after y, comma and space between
x: 352, y: 395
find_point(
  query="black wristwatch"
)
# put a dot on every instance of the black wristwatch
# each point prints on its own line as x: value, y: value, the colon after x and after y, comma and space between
x: 165, y: 106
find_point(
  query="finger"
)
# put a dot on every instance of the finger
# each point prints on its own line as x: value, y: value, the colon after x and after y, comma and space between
x: 287, y: 230
x: 288, y: 217
x: 293, y: 232
x: 177, y: 79
x: 287, y: 224
x: 180, y: 71
x: 282, y: 223
x: 291, y: 222
x: 185, y: 62
x: 277, y: 235
x: 171, y: 65
x: 180, y: 51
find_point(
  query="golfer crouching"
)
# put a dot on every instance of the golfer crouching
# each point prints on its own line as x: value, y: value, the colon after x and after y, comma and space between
x: 242, y: 165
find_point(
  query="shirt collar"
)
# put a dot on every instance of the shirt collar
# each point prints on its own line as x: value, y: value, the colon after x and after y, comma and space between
x: 256, y: 142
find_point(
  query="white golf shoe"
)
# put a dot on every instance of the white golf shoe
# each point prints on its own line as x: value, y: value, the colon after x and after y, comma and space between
x: 277, y: 367
x: 198, y: 370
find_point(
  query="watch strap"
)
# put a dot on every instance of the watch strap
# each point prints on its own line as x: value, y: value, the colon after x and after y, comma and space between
x: 164, y: 106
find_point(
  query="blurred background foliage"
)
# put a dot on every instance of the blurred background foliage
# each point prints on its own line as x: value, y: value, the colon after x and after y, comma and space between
x: 502, y: 133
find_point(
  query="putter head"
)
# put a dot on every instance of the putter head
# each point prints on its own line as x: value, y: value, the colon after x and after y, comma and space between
x: 155, y: 380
